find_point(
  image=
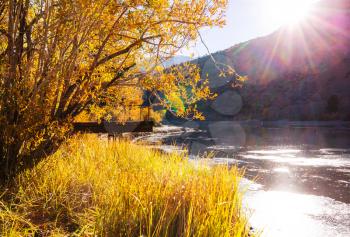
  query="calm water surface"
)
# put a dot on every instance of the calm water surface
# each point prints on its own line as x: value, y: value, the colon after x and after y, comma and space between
x: 301, y: 173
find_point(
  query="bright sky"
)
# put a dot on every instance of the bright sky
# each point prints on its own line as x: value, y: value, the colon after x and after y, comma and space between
x: 248, y: 19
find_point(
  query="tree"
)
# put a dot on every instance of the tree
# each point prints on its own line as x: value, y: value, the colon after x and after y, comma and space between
x: 59, y: 57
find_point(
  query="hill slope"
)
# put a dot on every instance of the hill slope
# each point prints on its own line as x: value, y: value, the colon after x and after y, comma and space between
x: 297, y: 73
x: 178, y: 59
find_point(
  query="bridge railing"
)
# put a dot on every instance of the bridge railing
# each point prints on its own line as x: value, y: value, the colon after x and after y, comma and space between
x: 114, y: 127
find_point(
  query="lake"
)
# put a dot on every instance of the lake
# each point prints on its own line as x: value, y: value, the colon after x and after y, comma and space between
x: 297, y: 174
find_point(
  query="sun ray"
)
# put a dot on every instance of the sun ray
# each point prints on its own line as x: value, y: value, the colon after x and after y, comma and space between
x: 288, y: 11
x: 271, y: 56
x: 305, y: 46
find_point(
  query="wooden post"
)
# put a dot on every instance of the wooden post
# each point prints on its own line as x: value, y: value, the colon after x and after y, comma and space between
x: 110, y: 137
x: 140, y: 112
x: 148, y: 113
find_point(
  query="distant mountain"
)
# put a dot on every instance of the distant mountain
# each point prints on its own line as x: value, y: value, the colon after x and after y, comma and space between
x: 296, y: 73
x: 176, y: 60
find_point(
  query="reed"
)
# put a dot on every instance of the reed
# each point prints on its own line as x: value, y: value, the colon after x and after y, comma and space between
x: 91, y: 187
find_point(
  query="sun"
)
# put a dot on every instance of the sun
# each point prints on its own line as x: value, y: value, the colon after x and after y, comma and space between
x: 286, y: 12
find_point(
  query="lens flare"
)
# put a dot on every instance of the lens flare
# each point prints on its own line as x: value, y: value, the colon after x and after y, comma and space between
x: 288, y: 11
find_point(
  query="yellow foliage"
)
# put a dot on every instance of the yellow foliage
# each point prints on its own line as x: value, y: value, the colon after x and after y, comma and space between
x: 179, y: 89
x: 92, y: 187
x: 60, y: 58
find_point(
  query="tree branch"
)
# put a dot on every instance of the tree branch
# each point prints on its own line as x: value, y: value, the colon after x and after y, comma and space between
x: 125, y: 50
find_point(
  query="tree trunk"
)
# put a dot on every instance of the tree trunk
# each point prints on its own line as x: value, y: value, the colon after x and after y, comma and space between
x: 9, y: 161
x: 12, y: 162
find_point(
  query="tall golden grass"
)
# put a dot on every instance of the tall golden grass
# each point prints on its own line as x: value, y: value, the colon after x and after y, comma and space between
x: 92, y: 187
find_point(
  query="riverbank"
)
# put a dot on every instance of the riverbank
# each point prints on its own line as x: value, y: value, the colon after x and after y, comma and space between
x: 91, y: 187
x: 264, y: 123
x: 301, y: 173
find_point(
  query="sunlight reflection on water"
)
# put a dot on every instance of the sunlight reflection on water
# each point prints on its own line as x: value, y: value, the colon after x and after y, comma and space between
x: 302, y: 175
x: 290, y: 214
x: 276, y: 151
x: 281, y: 170
x: 290, y: 158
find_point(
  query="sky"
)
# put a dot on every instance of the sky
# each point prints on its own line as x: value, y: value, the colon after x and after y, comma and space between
x: 249, y: 19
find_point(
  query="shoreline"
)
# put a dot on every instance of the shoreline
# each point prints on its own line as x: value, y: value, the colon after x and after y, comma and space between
x: 266, y: 123
x: 320, y: 211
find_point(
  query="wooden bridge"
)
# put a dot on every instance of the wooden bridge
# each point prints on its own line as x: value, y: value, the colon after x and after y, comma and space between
x: 114, y: 128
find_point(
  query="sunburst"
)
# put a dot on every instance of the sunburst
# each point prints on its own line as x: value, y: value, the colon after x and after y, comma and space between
x: 288, y: 11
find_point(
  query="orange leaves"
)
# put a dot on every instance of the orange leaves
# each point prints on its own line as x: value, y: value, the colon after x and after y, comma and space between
x: 181, y: 88
x: 75, y: 55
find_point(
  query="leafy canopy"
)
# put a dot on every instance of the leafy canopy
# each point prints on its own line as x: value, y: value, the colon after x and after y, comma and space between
x: 62, y: 57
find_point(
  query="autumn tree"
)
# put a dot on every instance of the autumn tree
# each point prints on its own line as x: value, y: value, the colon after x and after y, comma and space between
x: 60, y: 57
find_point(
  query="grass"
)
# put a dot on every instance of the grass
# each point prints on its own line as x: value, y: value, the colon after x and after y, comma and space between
x: 92, y: 187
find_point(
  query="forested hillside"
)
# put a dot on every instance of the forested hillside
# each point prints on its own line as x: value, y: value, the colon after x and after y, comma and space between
x: 300, y: 72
